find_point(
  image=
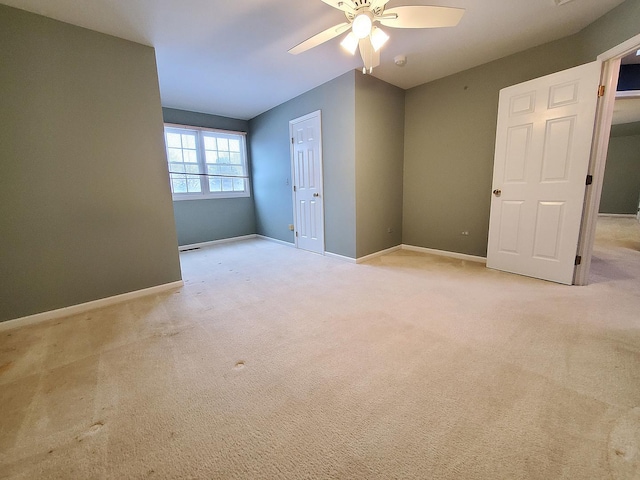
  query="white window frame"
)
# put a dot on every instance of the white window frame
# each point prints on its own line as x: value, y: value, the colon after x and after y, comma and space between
x: 201, y: 162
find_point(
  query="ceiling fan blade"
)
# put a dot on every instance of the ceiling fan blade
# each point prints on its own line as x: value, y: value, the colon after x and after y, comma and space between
x: 377, y: 3
x: 344, y: 5
x: 422, y: 17
x: 370, y: 57
x: 321, y: 37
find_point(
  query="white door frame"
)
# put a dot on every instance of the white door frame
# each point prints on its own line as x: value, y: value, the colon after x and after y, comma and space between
x: 317, y: 113
x: 600, y: 145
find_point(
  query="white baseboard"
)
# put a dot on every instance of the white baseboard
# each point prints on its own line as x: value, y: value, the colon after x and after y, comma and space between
x: 281, y: 242
x: 444, y: 253
x: 84, y: 307
x: 378, y: 254
x: 618, y: 215
x: 193, y: 246
x: 340, y: 257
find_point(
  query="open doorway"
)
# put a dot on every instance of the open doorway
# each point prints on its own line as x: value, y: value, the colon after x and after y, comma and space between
x: 616, y: 252
x: 612, y: 61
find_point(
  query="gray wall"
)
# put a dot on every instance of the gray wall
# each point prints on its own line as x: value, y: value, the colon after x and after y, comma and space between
x: 271, y: 164
x: 85, y: 205
x: 218, y: 218
x: 621, y: 188
x: 450, y: 134
x: 379, y: 159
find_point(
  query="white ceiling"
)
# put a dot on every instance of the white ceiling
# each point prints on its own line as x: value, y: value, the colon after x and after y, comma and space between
x: 229, y: 57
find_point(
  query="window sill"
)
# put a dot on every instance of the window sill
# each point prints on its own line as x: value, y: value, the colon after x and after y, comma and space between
x: 210, y: 196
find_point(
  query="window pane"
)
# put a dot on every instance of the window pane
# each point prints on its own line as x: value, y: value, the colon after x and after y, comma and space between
x: 209, y: 142
x: 212, y: 157
x: 189, y: 141
x: 223, y: 157
x: 193, y: 184
x: 227, y: 185
x: 173, y: 140
x: 215, y: 185
x: 237, y: 171
x: 238, y: 185
x: 192, y: 168
x: 235, y: 158
x: 234, y: 145
x: 190, y: 156
x: 176, y: 167
x: 174, y: 154
x: 213, y: 169
x: 223, y: 144
x: 179, y: 185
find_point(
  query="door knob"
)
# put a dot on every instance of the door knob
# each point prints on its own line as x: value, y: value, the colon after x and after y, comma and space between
x: 316, y: 194
x: 497, y: 192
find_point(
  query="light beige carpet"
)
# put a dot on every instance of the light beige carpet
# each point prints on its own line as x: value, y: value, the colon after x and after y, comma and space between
x: 276, y: 363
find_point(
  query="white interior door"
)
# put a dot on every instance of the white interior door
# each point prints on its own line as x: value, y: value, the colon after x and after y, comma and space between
x: 543, y: 143
x: 306, y: 152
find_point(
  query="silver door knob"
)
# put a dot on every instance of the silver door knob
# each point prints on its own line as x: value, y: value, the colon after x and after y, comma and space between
x: 497, y: 192
x: 316, y: 194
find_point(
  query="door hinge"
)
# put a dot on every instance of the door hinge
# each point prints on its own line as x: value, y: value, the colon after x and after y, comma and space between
x: 601, y: 89
x: 291, y: 140
x: 578, y: 260
x: 296, y: 234
x: 294, y: 188
x: 589, y: 179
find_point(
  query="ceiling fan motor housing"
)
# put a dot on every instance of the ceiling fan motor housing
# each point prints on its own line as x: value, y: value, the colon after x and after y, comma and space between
x: 361, y: 6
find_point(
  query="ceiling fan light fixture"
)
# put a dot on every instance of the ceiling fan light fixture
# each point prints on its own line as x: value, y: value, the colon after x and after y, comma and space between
x: 361, y: 26
x: 378, y: 38
x: 350, y: 43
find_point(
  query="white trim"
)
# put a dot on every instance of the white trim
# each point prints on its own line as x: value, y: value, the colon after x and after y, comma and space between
x: 378, y: 254
x: 618, y: 215
x: 208, y: 129
x: 444, y: 253
x: 281, y: 242
x: 628, y: 94
x: 84, y: 307
x: 191, y: 246
x: 340, y: 257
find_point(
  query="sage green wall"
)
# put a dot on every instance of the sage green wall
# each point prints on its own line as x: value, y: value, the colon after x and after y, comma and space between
x: 450, y: 127
x: 379, y: 157
x: 271, y: 164
x: 85, y: 205
x: 200, y: 221
x: 621, y: 188
x: 610, y: 30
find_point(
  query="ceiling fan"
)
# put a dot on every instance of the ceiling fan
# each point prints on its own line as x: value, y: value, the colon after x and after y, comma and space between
x: 362, y: 15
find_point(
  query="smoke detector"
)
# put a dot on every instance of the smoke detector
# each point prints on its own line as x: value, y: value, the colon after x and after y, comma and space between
x: 401, y: 60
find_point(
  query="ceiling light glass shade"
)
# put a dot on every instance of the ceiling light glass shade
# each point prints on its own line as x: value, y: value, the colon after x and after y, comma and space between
x: 378, y: 39
x: 350, y: 43
x: 638, y: 53
x: 361, y: 26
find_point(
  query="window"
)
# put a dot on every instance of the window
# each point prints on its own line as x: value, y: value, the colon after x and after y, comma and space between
x: 205, y: 163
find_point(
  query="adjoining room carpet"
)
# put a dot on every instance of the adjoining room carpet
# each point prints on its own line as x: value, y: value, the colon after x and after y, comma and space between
x: 275, y: 363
